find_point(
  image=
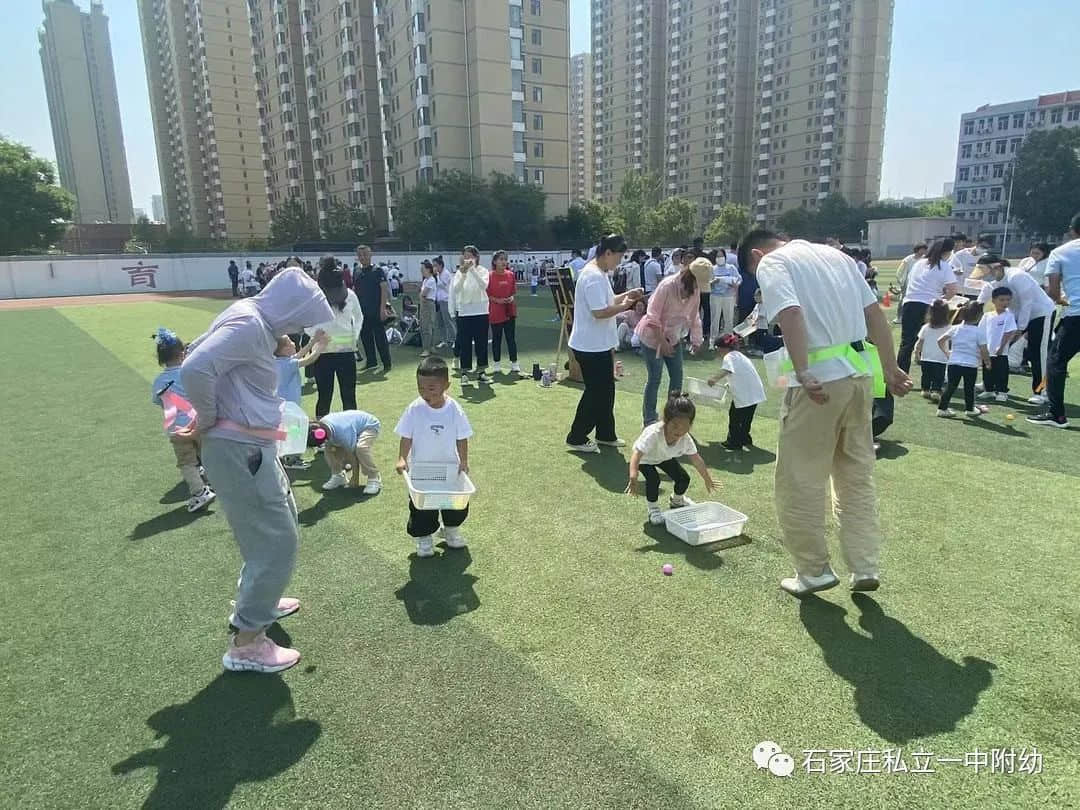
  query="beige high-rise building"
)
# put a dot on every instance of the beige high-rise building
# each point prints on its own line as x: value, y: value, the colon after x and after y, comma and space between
x: 581, y: 128
x: 203, y: 100
x: 822, y: 76
x: 769, y: 103
x: 80, y: 85
x: 478, y: 86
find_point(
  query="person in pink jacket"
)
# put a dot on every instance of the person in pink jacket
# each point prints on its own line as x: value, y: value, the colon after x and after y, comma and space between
x: 673, y: 313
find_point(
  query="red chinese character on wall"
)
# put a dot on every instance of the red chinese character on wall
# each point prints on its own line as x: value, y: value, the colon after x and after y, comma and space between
x: 142, y: 276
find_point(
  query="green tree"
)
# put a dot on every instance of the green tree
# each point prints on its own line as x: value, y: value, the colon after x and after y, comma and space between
x: 519, y: 211
x: 672, y: 222
x: 33, y: 209
x: 347, y: 223
x: 798, y: 223
x: 143, y: 235
x: 292, y: 223
x: 731, y: 224
x: 1046, y: 181
x: 584, y: 224
x: 639, y: 194
x: 938, y: 208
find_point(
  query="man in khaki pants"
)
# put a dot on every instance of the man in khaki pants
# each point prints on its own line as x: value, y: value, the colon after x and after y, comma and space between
x: 826, y: 311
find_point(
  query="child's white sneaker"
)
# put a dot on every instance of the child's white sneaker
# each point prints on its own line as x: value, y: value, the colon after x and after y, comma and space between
x: 679, y: 501
x: 497, y: 367
x: 373, y: 486
x: 656, y: 517
x: 199, y: 501
x: 335, y: 481
x: 425, y: 547
x: 454, y: 538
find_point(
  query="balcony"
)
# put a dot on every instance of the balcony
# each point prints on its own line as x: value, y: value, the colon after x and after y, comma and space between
x: 764, y: 141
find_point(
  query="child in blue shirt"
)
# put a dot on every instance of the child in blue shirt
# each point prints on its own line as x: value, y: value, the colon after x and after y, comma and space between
x: 289, y: 362
x: 347, y: 440
x: 167, y: 392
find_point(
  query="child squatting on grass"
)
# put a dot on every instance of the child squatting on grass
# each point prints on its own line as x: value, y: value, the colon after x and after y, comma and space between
x: 167, y: 392
x: 434, y: 430
x: 346, y: 439
x: 659, y: 447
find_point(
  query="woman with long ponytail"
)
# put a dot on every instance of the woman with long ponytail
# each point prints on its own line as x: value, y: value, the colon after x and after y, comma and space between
x: 930, y: 278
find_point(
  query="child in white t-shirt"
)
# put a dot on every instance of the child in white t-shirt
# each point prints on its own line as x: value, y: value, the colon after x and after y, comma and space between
x: 929, y: 354
x: 659, y: 447
x: 1000, y: 328
x: 747, y: 391
x: 434, y: 429
x: 964, y: 346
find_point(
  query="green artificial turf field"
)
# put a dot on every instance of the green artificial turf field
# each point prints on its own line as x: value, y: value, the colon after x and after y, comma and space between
x: 551, y: 665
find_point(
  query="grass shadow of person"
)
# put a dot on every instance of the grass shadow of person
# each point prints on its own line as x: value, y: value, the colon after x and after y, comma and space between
x: 904, y: 688
x: 476, y: 395
x: 608, y: 468
x: 330, y: 502
x: 240, y: 728
x: 167, y: 522
x: 993, y: 427
x: 439, y: 588
x: 739, y: 462
x: 703, y: 557
x: 891, y: 450
x: 178, y: 494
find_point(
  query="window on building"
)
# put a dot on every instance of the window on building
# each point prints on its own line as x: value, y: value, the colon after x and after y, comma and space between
x: 537, y: 37
x: 992, y: 218
x: 963, y: 175
x: 538, y: 176
x: 535, y: 8
x: 995, y: 195
x: 538, y: 121
x: 538, y: 149
x: 537, y: 66
x: 537, y: 94
x: 519, y: 142
x: 1018, y: 120
x: 515, y: 49
x: 515, y: 16
x: 1074, y: 114
x: 961, y: 196
x: 1014, y: 144
x: 1055, y: 115
x: 969, y: 127
x: 1003, y: 122
x: 999, y: 170
x: 999, y: 147
x: 517, y: 112
x: 516, y: 79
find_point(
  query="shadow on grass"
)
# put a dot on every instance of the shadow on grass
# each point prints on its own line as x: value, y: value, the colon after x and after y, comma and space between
x: 241, y: 728
x: 477, y: 395
x: 608, y: 468
x: 904, y: 688
x: 739, y: 462
x: 891, y: 450
x: 993, y: 427
x: 333, y: 501
x: 439, y: 587
x: 704, y: 557
x: 167, y: 522
x: 178, y: 494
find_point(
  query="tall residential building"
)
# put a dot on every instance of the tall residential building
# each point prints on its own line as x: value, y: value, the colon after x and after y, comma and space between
x: 203, y: 100
x: 81, y: 88
x: 769, y: 103
x: 990, y: 138
x: 581, y: 126
x: 822, y: 72
x: 157, y: 208
x: 453, y: 74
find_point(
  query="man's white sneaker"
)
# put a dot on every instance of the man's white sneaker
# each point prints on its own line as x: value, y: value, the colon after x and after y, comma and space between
x: 800, y: 585
x: 985, y: 396
x: 588, y: 447
x: 496, y: 368
x: 679, y: 501
x: 948, y: 413
x: 515, y: 368
x: 656, y: 517
x: 485, y: 379
x: 373, y: 486
x: 1001, y: 396
x: 1038, y: 399
x: 975, y: 411
x: 980, y: 387
x: 197, y: 502
x: 454, y: 538
x: 335, y: 481
x: 612, y: 443
x: 864, y: 582
x: 425, y: 547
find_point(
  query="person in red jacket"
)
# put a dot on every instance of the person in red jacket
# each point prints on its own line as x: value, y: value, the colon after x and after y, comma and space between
x: 502, y: 311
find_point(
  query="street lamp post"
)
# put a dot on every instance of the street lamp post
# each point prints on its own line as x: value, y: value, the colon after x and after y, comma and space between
x: 1008, y: 207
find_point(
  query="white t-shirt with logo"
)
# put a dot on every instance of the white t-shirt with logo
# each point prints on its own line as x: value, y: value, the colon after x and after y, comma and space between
x: 743, y: 379
x: 931, y: 351
x: 655, y: 450
x: 966, y: 340
x: 593, y: 292
x: 434, y: 431
x: 994, y: 327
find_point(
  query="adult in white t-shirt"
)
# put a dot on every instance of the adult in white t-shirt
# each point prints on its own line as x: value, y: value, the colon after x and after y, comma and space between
x: 1063, y: 283
x: 930, y: 278
x: 1035, y: 263
x: 593, y: 339
x: 964, y: 258
x: 826, y: 311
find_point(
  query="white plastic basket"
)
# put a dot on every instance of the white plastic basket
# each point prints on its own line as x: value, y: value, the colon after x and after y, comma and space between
x: 438, y: 486
x: 705, y: 394
x: 704, y: 523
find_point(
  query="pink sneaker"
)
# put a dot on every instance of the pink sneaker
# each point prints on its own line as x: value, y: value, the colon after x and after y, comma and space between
x: 261, y: 655
x: 287, y: 606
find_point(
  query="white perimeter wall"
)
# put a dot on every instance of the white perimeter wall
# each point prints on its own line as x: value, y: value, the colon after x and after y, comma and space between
x: 107, y: 275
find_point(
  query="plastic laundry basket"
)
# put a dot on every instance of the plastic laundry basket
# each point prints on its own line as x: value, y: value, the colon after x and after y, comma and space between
x: 704, y: 523
x: 438, y: 486
x: 705, y: 394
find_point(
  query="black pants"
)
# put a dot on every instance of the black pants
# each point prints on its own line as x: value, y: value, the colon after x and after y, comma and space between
x: 472, y: 335
x: 706, y: 313
x: 1038, y: 352
x: 509, y: 329
x: 425, y: 522
x: 956, y: 375
x: 996, y: 378
x: 235, y: 287
x: 739, y: 423
x: 652, y: 478
x: 326, y: 367
x: 933, y: 375
x: 1066, y: 345
x: 912, y: 317
x: 596, y: 408
x: 373, y: 336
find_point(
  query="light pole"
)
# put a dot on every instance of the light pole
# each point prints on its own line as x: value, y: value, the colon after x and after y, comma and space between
x: 1008, y: 206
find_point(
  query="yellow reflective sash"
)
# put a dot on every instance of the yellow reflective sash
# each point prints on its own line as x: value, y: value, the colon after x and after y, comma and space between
x: 865, y: 362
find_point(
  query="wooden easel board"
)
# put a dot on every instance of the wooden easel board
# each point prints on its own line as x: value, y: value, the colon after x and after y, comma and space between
x: 561, y: 283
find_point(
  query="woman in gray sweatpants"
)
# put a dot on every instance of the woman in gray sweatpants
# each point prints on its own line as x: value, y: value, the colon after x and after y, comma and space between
x: 230, y: 376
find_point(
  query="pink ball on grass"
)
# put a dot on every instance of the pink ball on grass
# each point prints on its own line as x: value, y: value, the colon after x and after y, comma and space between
x: 668, y: 569
x: 319, y: 434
